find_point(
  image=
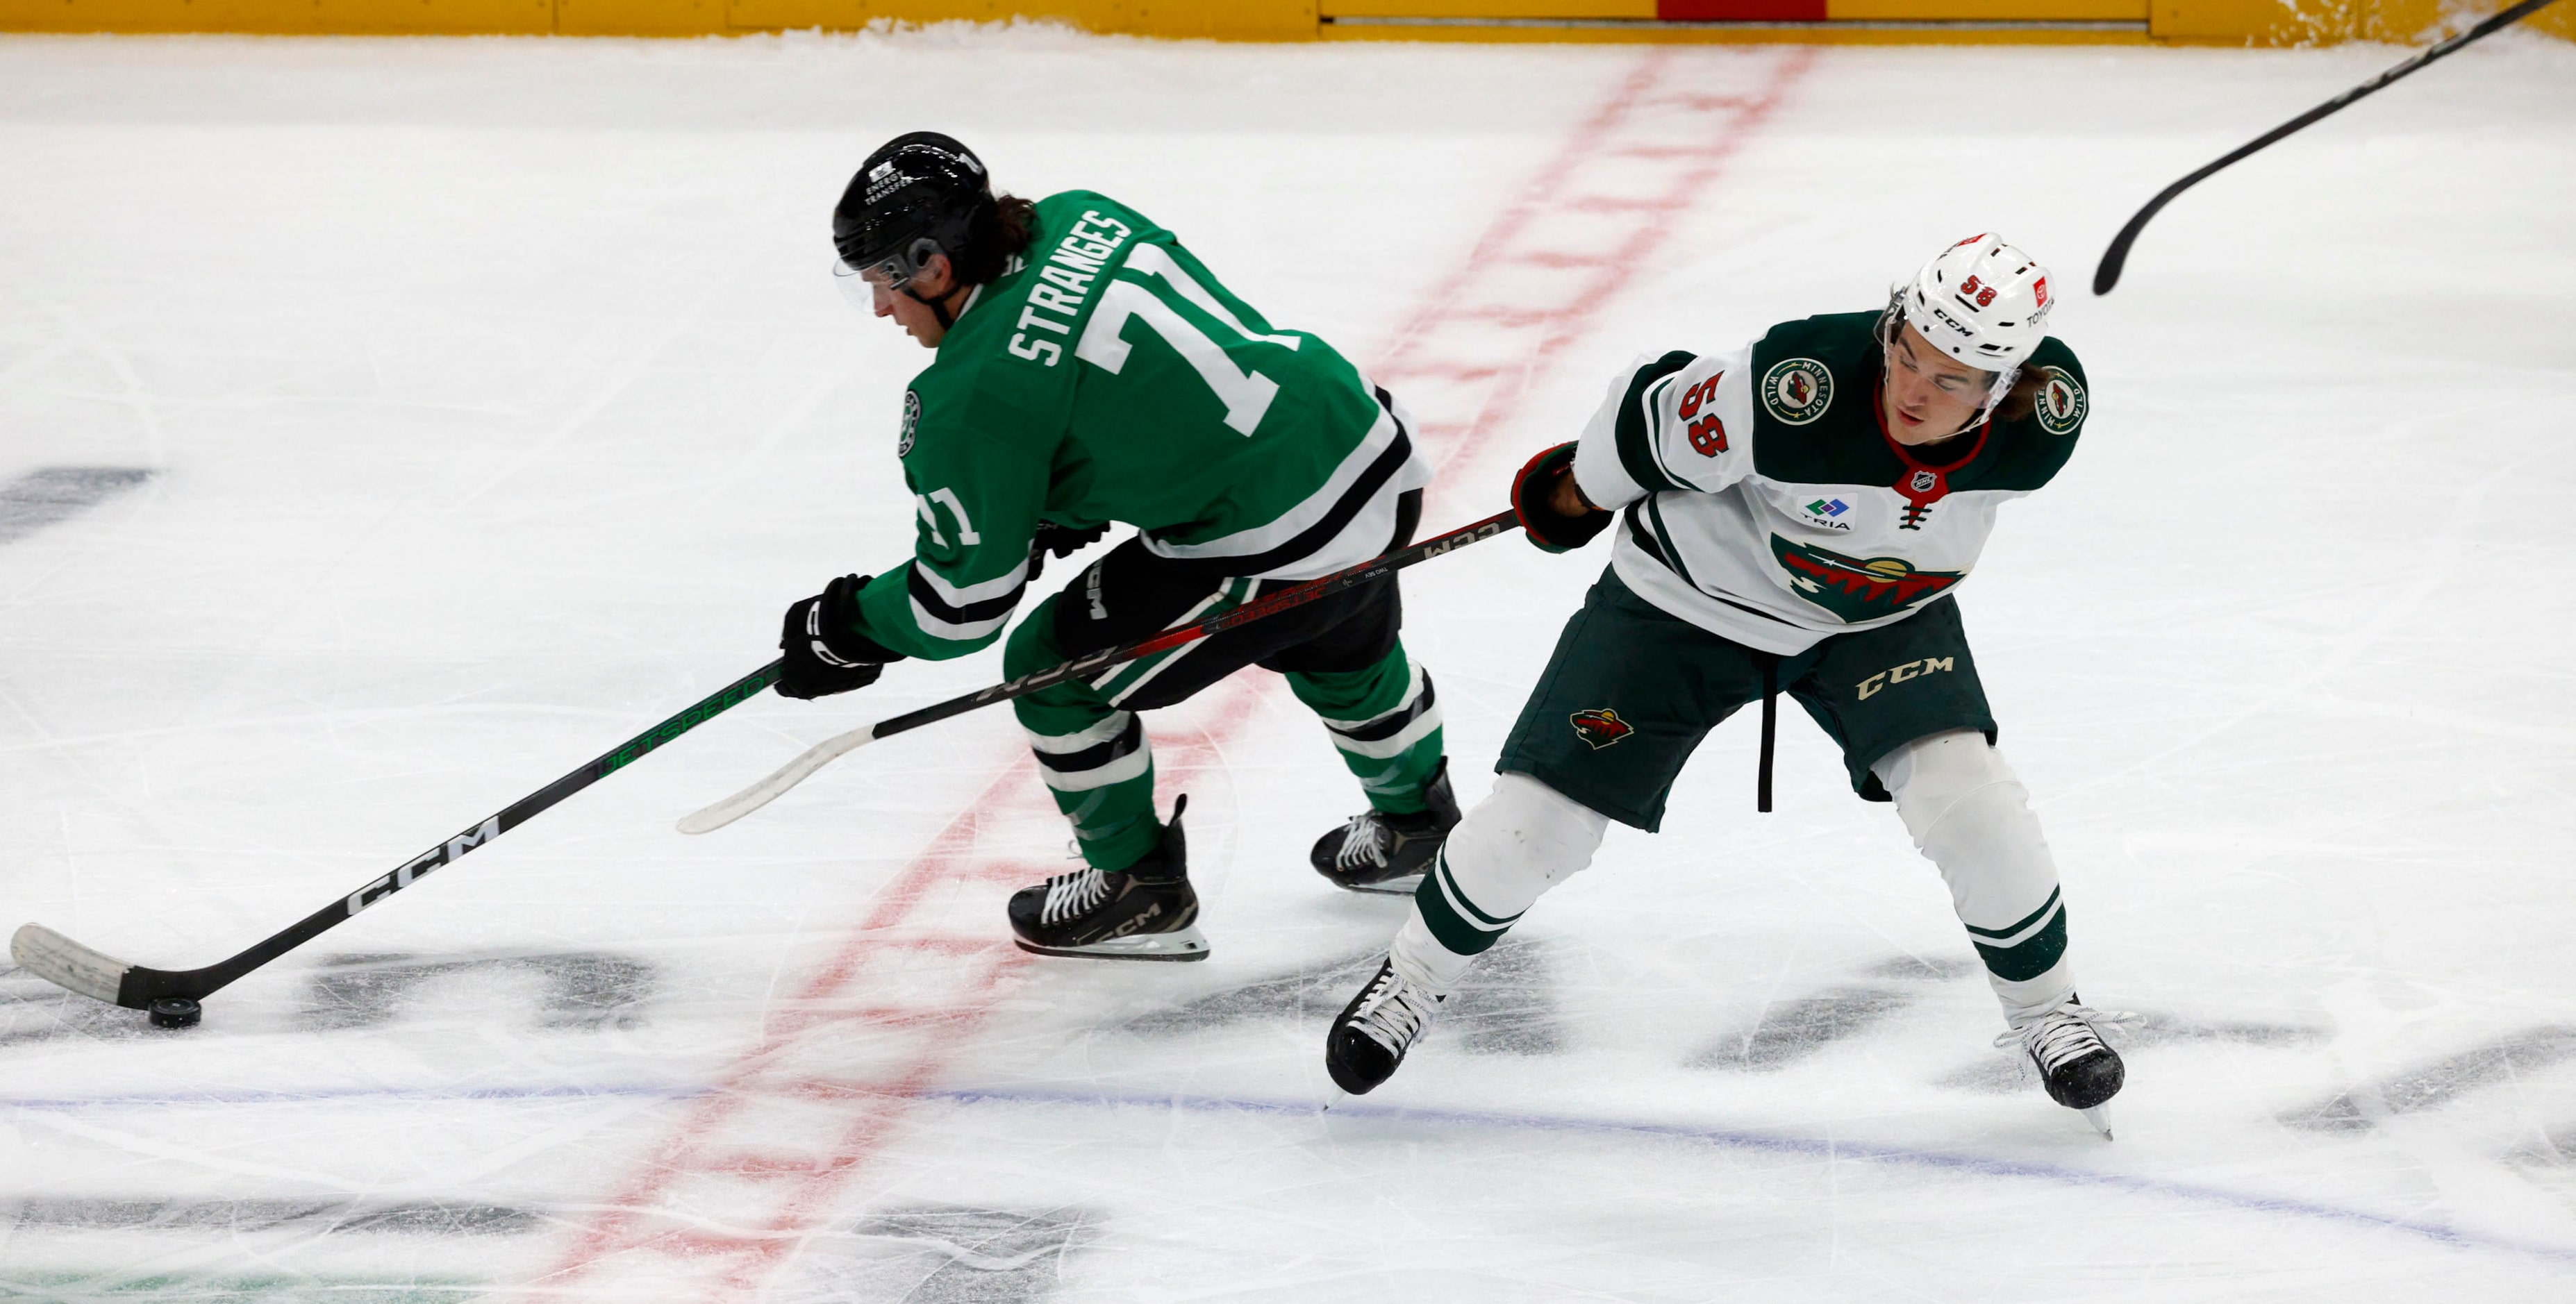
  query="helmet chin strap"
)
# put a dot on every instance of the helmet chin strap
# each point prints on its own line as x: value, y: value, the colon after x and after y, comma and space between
x: 1995, y: 394
x: 937, y: 307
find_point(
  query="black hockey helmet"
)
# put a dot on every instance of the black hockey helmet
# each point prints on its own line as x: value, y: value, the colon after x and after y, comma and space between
x: 920, y: 194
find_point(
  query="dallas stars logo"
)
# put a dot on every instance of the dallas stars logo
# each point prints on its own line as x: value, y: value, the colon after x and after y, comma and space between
x: 1857, y: 589
x: 1600, y: 727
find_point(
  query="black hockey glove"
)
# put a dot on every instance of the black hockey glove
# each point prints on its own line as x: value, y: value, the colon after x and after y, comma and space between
x: 1056, y: 540
x: 825, y: 652
x: 1534, y: 501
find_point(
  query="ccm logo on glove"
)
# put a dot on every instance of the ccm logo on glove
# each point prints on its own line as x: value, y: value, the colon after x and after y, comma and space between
x: 824, y: 652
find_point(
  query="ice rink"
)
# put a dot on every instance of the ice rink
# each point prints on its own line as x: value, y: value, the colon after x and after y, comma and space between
x: 387, y: 427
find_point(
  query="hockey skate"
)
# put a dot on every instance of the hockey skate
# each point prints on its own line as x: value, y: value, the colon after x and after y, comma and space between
x: 1144, y: 912
x: 2078, y: 1069
x: 1378, y: 852
x: 1369, y: 1038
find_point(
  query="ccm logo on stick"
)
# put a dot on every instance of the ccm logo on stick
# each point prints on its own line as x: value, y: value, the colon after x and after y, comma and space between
x: 421, y: 865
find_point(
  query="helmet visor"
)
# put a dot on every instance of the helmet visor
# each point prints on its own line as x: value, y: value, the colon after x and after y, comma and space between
x: 894, y: 271
x: 857, y: 287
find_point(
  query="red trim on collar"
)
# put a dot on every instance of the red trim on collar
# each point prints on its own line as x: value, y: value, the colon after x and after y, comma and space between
x: 1921, y: 484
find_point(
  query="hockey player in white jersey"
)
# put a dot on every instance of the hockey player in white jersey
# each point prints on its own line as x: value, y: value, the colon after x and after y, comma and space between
x: 1792, y: 516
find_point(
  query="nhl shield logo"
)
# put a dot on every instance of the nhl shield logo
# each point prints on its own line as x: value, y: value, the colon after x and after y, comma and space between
x: 2062, y: 404
x: 1797, y: 390
x: 1600, y: 727
x: 911, y: 424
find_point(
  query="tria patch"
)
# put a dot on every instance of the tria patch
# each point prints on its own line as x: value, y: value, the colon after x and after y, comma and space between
x: 911, y: 423
x: 1600, y: 727
x: 2061, y: 404
x: 1797, y: 390
x: 1857, y: 589
x: 1826, y: 514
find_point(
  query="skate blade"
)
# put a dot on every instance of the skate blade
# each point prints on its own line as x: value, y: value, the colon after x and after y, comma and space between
x: 2100, y: 1117
x: 1390, y: 887
x: 1186, y: 944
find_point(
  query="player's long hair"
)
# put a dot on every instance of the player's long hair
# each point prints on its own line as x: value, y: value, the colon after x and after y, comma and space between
x: 988, y: 250
x: 2023, y: 398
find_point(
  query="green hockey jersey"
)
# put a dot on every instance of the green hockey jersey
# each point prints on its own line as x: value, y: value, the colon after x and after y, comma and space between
x: 1766, y: 503
x: 1108, y: 376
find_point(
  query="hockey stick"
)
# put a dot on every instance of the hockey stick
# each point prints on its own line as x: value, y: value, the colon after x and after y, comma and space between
x: 65, y: 963
x: 2117, y: 256
x: 824, y: 753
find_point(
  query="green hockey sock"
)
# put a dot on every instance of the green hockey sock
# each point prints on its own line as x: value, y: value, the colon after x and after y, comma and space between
x: 1094, y: 757
x: 1386, y: 722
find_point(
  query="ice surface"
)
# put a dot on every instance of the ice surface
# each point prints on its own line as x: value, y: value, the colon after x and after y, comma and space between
x: 388, y: 426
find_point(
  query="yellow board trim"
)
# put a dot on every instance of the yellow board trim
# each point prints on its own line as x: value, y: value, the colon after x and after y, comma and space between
x: 1489, y: 8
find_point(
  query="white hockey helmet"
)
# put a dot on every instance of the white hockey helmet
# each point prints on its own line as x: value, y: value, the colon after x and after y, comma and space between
x: 1982, y: 302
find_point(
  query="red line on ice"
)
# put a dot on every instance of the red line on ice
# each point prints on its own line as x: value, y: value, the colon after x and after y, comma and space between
x: 780, y: 1196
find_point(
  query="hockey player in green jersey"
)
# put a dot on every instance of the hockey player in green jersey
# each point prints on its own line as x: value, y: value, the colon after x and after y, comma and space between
x: 1793, y: 515
x: 1090, y: 371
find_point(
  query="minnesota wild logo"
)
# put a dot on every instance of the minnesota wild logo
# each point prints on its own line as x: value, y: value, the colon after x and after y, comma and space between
x: 2061, y: 402
x: 1600, y: 727
x: 1797, y: 390
x: 1857, y: 589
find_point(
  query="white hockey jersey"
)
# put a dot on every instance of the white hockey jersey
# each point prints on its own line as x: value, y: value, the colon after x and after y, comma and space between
x: 1764, y: 501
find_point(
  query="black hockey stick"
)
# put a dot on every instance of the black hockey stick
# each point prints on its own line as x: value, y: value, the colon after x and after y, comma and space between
x: 824, y: 753
x: 2117, y: 256
x: 172, y: 994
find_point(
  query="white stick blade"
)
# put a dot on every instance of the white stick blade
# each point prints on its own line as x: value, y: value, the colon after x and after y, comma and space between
x: 767, y: 790
x: 67, y: 964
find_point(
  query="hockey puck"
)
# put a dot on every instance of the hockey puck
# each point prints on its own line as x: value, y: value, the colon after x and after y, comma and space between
x: 176, y: 1012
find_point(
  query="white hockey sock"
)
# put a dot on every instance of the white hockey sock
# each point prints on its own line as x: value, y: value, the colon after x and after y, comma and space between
x: 1516, y: 844
x: 1971, y: 817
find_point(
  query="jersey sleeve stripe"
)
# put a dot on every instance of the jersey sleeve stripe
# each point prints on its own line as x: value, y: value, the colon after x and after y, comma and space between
x: 958, y: 621
x: 952, y: 630
x: 1639, y: 423
x: 959, y: 595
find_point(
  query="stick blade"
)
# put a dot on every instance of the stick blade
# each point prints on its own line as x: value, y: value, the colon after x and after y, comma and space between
x: 68, y: 964
x: 770, y: 789
x: 2107, y: 276
x: 727, y: 811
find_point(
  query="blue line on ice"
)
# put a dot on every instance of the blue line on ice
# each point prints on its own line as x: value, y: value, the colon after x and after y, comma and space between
x: 1734, y: 1138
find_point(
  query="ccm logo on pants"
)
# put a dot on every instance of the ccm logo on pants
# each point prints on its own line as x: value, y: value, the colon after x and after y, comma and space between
x: 1900, y: 674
